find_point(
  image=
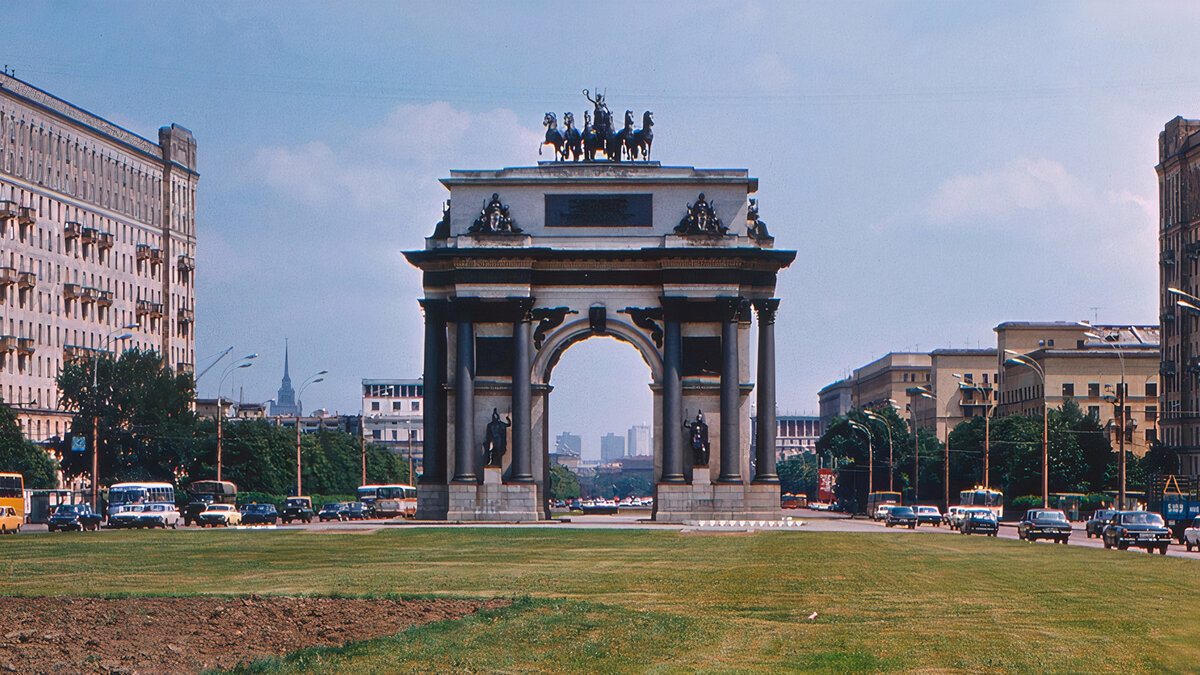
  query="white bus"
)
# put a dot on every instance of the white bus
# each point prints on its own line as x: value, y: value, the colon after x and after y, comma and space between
x: 121, y: 494
x: 390, y: 501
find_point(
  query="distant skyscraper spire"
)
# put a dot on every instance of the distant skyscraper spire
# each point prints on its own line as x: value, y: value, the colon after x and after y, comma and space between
x: 285, y: 399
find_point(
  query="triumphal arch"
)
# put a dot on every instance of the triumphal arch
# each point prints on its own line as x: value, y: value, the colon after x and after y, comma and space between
x: 527, y: 261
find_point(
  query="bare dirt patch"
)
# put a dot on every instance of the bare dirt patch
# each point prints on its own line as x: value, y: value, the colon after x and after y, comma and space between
x: 186, y: 635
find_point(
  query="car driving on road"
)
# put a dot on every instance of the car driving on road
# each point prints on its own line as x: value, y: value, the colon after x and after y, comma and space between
x: 73, y: 517
x: 979, y: 521
x: 1139, y: 529
x: 297, y: 508
x: 159, y: 515
x: 9, y: 520
x: 1191, y: 535
x: 901, y: 515
x: 1044, y: 524
x: 220, y: 514
x: 125, y: 515
x: 928, y: 515
x: 1094, y: 527
x: 259, y: 514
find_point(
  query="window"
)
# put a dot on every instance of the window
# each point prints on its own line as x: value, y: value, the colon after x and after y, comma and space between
x: 416, y: 405
x: 376, y: 434
x: 1093, y: 389
x: 1094, y: 411
x: 1150, y: 436
x: 1151, y: 413
x: 375, y: 405
x: 397, y: 405
x: 1068, y: 389
x: 1152, y: 389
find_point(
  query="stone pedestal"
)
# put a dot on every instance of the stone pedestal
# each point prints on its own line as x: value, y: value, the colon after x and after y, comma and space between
x: 433, y: 502
x: 492, y: 500
x: 704, y: 500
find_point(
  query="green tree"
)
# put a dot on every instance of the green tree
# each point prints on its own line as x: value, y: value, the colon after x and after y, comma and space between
x: 798, y: 475
x: 146, y: 427
x: 563, y: 484
x: 19, y: 455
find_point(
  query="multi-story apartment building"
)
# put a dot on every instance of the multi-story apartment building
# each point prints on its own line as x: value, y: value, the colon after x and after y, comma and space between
x: 638, y: 440
x: 962, y: 384
x: 612, y: 447
x: 836, y: 400
x: 1179, y: 268
x: 1078, y: 366
x: 392, y: 413
x: 885, y: 379
x: 97, y: 233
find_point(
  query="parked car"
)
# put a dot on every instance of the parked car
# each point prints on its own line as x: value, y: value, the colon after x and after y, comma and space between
x: 953, y: 516
x: 297, y: 508
x: 10, y: 521
x: 1139, y: 529
x: 1191, y: 535
x: 125, y: 516
x: 928, y: 515
x: 220, y: 514
x: 331, y: 511
x: 259, y: 514
x: 74, y: 517
x: 1044, y: 524
x: 1095, y: 526
x: 979, y: 521
x: 355, y: 511
x: 159, y: 515
x: 881, y: 511
x: 901, y: 515
x: 193, y: 509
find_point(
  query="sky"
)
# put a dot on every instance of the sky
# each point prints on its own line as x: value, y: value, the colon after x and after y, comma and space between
x: 939, y: 167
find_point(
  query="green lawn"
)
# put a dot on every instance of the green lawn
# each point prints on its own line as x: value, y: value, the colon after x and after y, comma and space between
x: 655, y: 601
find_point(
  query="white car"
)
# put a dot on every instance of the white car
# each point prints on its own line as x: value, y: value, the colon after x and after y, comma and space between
x: 953, y: 516
x: 1191, y: 536
x: 929, y: 515
x: 881, y: 510
x: 159, y: 515
x: 125, y: 515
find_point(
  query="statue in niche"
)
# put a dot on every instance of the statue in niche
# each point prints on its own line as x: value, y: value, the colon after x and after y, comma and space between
x: 698, y: 439
x: 701, y: 218
x: 494, y: 219
x: 495, y: 440
x: 755, y: 227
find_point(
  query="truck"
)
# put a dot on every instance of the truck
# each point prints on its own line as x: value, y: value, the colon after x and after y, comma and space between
x: 1177, y: 498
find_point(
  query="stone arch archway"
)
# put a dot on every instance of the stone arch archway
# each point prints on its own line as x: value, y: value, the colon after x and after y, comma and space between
x: 671, y: 260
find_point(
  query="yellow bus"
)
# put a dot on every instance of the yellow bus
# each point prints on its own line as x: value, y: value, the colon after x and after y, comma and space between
x: 12, y: 492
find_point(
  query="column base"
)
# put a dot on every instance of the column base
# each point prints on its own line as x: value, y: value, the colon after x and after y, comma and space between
x: 493, y: 500
x: 715, y: 501
x: 433, y: 501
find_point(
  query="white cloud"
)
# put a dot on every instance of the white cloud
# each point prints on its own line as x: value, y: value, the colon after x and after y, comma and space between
x: 1022, y: 185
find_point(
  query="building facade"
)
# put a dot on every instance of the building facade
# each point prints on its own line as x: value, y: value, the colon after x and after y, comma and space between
x: 963, y: 385
x: 612, y: 447
x: 795, y: 434
x: 836, y: 400
x: 97, y: 232
x: 392, y: 414
x: 1179, y: 251
x: 639, y: 441
x: 1089, y: 371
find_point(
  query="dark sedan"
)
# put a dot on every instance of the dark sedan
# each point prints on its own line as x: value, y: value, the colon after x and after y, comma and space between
x: 1139, y: 529
x: 1044, y: 524
x: 74, y: 517
x: 1095, y: 526
x: 331, y: 511
x: 901, y: 515
x: 982, y: 521
x: 259, y: 514
x: 355, y: 511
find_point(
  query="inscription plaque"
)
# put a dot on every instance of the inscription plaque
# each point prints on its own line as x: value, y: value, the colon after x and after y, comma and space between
x: 599, y: 210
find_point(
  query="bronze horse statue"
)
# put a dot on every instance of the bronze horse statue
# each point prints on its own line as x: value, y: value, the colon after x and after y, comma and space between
x: 572, y: 139
x: 622, y: 141
x: 592, y: 141
x: 643, y: 138
x: 553, y: 137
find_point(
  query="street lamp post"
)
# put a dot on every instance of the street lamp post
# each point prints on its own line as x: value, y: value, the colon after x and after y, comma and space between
x: 1024, y: 360
x: 1119, y: 403
x: 870, y: 456
x: 363, y: 438
x: 922, y: 392
x: 220, y: 417
x: 408, y: 433
x: 312, y: 379
x: 96, y: 409
x: 987, y: 422
x: 872, y: 415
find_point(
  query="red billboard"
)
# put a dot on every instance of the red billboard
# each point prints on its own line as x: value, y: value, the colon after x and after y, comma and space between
x: 825, y: 486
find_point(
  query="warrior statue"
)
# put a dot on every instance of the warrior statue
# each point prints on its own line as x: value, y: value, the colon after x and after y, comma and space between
x: 495, y: 440
x: 698, y: 439
x: 701, y: 218
x: 494, y: 219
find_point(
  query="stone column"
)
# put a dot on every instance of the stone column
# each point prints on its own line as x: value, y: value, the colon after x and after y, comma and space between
x: 766, y: 426
x: 730, y: 427
x: 672, y: 403
x: 465, y: 453
x: 522, y: 394
x: 433, y: 452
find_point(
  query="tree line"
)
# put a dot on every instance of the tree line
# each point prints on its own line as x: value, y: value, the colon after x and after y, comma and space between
x: 141, y: 414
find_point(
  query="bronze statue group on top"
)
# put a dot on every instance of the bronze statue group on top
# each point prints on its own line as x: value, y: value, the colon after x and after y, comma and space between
x: 599, y: 135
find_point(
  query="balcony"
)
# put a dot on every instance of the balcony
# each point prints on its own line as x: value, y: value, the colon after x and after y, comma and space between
x: 185, y: 367
x: 1167, y: 257
x: 1166, y: 368
x: 186, y: 315
x: 26, y: 280
x: 150, y: 309
x: 87, y: 295
x: 7, y: 343
x: 156, y: 256
x: 89, y: 235
x: 25, y: 346
x: 27, y: 215
x: 72, y: 230
x: 104, y: 298
x: 186, y: 263
x: 77, y: 352
x: 105, y: 240
x: 8, y: 209
x: 8, y: 276
x: 71, y: 291
x: 143, y: 252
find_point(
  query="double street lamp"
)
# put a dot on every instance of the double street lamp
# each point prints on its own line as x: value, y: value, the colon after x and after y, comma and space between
x: 244, y: 362
x: 858, y: 426
x: 311, y: 380
x: 922, y: 392
x: 1024, y: 360
x: 876, y: 417
x: 108, y: 339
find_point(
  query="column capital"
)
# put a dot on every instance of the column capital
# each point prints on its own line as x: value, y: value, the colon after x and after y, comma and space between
x: 766, y: 308
x: 730, y: 307
x: 522, y: 308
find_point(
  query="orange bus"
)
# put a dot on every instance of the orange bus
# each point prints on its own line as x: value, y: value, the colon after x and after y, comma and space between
x: 12, y: 492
